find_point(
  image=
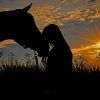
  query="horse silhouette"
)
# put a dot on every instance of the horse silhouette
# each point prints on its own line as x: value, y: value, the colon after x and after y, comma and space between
x: 20, y: 26
x: 59, y: 62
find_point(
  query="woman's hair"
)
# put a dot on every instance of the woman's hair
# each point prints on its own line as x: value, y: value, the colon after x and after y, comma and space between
x: 52, y: 33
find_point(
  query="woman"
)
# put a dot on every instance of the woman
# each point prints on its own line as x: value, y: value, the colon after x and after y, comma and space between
x: 59, y: 62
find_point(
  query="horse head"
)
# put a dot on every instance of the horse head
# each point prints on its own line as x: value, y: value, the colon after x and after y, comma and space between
x: 20, y: 26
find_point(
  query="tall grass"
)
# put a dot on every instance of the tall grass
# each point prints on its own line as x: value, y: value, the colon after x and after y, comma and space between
x: 82, y: 62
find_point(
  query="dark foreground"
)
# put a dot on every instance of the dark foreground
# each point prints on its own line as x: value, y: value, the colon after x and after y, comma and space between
x: 30, y: 83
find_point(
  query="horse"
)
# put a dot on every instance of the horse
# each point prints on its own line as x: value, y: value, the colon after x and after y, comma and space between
x: 59, y: 59
x: 20, y: 26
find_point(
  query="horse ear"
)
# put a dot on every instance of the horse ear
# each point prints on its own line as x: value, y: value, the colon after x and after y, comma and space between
x: 27, y: 8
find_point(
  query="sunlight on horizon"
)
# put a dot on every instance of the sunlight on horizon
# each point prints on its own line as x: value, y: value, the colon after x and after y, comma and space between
x: 89, y: 56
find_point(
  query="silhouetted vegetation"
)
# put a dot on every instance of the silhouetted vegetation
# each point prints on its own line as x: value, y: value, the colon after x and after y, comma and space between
x: 80, y: 62
x: 84, y: 82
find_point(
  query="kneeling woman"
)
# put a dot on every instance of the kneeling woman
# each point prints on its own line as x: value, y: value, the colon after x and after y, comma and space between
x: 59, y: 62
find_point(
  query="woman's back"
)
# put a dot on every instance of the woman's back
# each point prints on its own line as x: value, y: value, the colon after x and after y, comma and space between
x: 59, y: 60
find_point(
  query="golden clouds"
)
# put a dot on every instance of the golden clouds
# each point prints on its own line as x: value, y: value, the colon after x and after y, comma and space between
x: 75, y: 1
x: 91, y: 50
x: 83, y: 14
x: 47, y: 14
x: 4, y: 9
x: 70, y: 1
x: 6, y: 42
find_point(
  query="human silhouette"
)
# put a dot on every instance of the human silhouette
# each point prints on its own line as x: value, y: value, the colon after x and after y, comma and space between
x: 59, y: 62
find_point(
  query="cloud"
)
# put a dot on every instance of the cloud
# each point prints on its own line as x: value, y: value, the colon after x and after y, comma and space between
x: 89, y: 13
x: 47, y: 14
x: 75, y: 1
x: 91, y: 54
x: 4, y: 9
x: 91, y: 50
x: 71, y: 1
x: 91, y: 0
x: 6, y: 43
x: 76, y: 25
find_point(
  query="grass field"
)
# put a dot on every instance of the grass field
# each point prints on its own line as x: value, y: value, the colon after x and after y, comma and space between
x: 31, y: 81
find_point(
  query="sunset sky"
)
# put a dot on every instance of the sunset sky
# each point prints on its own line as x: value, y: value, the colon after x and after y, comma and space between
x: 79, y: 20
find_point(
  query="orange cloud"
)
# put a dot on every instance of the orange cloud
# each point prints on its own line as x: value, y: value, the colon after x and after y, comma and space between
x: 91, y: 50
x: 75, y: 1
x: 70, y: 1
x: 47, y: 14
x: 90, y: 12
x: 4, y: 9
x: 6, y: 43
